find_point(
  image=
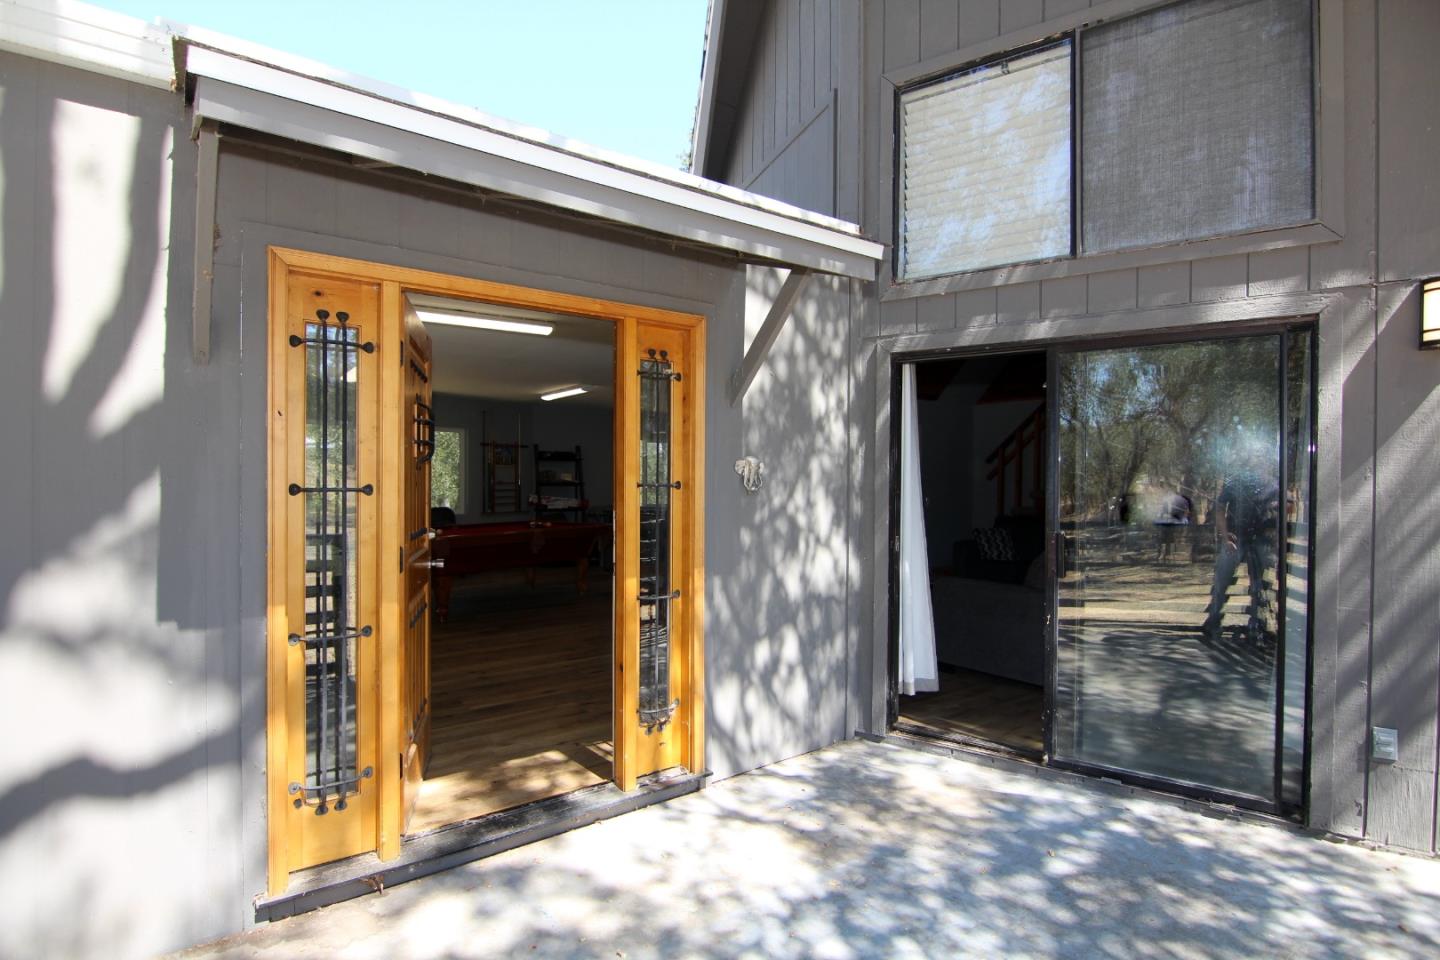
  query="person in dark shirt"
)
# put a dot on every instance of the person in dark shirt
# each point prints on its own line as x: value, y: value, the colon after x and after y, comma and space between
x: 1175, y: 512
x: 1245, y: 530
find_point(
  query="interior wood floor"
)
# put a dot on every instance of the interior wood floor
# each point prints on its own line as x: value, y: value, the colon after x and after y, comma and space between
x: 982, y: 706
x: 520, y: 686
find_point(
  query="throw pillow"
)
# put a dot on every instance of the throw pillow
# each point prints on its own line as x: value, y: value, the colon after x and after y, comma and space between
x: 994, y: 544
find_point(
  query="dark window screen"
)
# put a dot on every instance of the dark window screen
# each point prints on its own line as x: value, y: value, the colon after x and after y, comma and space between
x: 1197, y: 121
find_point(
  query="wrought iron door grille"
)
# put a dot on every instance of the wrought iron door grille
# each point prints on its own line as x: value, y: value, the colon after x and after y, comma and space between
x: 331, y: 490
x: 657, y: 378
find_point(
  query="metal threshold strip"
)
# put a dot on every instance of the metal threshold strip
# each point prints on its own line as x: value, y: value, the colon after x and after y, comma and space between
x: 469, y: 840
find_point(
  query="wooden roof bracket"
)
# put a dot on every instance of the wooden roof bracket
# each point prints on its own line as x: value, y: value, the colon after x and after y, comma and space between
x: 780, y: 310
x: 207, y: 171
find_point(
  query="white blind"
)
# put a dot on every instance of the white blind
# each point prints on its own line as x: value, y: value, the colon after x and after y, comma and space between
x: 1197, y: 121
x: 984, y: 172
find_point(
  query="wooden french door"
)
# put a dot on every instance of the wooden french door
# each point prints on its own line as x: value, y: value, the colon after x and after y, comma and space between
x: 658, y: 703
x: 418, y: 450
x: 350, y: 441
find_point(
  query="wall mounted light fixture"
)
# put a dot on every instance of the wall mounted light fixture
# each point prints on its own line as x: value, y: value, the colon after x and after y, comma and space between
x: 1430, y: 315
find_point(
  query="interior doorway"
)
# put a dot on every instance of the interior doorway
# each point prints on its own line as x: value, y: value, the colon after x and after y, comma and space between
x: 522, y: 509
x: 983, y: 448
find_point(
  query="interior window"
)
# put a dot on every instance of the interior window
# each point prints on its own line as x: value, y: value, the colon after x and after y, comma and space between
x: 447, y: 470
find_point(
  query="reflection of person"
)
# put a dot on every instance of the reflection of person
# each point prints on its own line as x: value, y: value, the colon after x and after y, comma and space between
x: 1245, y: 515
x: 1175, y: 512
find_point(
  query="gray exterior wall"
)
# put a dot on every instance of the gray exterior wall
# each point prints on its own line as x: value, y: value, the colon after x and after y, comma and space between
x: 119, y: 626
x: 132, y: 795
x: 775, y: 606
x: 1376, y: 620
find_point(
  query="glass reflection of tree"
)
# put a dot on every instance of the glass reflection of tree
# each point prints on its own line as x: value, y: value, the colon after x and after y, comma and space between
x: 1138, y: 421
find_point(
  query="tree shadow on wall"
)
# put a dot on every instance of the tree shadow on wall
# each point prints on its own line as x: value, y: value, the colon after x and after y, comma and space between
x: 120, y: 580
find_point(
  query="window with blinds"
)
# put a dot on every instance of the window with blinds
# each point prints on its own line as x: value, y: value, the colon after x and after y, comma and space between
x: 984, y: 176
x: 1196, y: 120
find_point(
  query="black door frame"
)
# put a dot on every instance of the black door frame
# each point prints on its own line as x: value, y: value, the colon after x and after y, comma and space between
x: 1280, y: 326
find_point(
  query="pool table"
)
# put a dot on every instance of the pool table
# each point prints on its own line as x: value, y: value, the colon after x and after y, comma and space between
x: 471, y: 548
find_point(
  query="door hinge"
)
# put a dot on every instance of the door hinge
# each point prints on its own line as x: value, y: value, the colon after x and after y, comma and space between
x: 401, y: 552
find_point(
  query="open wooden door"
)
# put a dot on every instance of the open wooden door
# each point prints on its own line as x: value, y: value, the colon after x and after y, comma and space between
x: 416, y: 563
x: 659, y: 708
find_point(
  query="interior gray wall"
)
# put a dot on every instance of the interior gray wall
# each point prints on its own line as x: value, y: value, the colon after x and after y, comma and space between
x: 946, y: 466
x: 1376, y: 659
x: 553, y: 427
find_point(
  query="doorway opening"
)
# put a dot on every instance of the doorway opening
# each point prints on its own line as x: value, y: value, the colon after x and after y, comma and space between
x: 560, y: 574
x: 522, y: 513
x: 983, y: 450
x: 1133, y: 596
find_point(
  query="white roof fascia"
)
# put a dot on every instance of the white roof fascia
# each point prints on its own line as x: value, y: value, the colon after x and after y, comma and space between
x: 251, y: 109
x: 89, y: 38
x: 415, y: 113
x: 197, y: 38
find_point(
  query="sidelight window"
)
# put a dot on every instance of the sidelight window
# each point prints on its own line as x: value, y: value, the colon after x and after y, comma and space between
x: 331, y: 492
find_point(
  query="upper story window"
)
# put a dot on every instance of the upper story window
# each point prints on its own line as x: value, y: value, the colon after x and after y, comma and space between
x: 985, y: 166
x: 1195, y: 120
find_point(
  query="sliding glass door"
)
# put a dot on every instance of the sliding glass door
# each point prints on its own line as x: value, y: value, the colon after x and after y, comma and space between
x: 1181, y: 559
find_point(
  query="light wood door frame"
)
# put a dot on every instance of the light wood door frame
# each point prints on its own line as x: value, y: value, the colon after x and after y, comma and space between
x: 632, y: 321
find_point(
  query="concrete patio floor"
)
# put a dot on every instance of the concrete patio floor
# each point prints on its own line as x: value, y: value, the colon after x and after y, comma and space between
x: 870, y: 850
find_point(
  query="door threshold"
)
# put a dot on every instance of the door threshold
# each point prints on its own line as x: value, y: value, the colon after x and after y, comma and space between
x: 962, y: 741
x: 460, y: 843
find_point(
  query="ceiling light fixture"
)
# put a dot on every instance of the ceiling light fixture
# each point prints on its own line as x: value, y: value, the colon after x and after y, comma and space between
x: 474, y: 321
x: 561, y: 394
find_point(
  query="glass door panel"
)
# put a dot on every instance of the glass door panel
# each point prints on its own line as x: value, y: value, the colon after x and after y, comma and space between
x: 1173, y: 648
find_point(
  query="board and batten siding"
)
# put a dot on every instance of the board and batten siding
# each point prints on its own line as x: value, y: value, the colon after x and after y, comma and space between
x: 120, y: 633
x: 776, y: 562
x: 133, y: 511
x: 788, y: 117
x: 1376, y: 622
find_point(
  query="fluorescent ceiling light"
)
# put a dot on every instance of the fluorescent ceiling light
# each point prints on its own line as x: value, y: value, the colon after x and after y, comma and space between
x: 567, y: 392
x: 477, y: 322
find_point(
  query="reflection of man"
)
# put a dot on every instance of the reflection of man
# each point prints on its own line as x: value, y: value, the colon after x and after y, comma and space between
x: 1245, y: 515
x: 1175, y: 511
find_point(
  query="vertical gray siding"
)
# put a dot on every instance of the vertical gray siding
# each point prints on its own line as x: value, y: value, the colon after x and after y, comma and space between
x: 776, y: 562
x: 1376, y: 636
x: 785, y: 132
x: 119, y: 799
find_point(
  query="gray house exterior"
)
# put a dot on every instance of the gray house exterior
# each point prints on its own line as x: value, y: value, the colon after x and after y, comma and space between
x: 133, y: 364
x: 799, y: 103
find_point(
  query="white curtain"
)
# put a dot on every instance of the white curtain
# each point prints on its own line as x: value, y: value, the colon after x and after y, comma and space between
x: 918, y: 672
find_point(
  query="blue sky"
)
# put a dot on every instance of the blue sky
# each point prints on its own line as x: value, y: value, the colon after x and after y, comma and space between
x: 619, y: 74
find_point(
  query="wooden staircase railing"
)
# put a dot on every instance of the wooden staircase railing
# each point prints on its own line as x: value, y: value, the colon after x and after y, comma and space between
x: 1029, y: 435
